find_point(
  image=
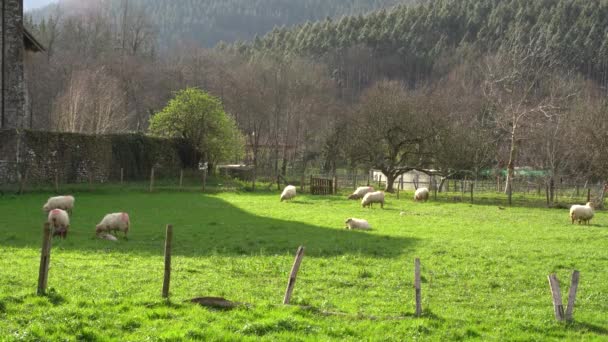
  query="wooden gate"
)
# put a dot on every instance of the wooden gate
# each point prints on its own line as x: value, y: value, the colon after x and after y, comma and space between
x: 321, y: 186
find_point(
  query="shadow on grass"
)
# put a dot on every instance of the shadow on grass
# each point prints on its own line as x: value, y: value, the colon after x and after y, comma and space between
x: 203, y: 225
x: 587, y: 327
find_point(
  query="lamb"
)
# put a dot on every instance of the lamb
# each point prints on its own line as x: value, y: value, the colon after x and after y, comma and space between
x: 355, y: 223
x: 582, y: 213
x: 288, y: 193
x: 360, y: 192
x: 59, y: 202
x: 60, y: 222
x: 113, y: 222
x: 373, y: 197
x: 421, y: 195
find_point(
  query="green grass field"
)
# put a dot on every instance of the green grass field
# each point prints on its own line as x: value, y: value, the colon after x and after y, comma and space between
x: 484, y: 270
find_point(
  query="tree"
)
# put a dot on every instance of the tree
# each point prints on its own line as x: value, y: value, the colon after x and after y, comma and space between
x: 394, y: 131
x: 200, y: 119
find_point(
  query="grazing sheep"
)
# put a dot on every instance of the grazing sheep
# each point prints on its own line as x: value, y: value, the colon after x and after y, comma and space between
x: 373, y: 197
x: 113, y: 222
x: 355, y: 223
x: 582, y: 213
x: 288, y: 193
x: 60, y: 222
x: 59, y: 202
x: 360, y: 192
x: 421, y: 195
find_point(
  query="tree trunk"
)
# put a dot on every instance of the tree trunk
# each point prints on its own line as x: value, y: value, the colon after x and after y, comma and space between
x: 511, y: 166
x: 390, y: 180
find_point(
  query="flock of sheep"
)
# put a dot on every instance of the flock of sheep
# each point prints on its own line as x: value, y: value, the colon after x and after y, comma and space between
x: 580, y: 213
x: 60, y: 208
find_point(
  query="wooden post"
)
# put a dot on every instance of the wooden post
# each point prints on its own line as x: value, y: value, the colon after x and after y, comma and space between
x: 417, y: 287
x: 167, y: 278
x: 23, y: 181
x: 335, y: 188
x: 294, y: 273
x: 204, y: 180
x: 380, y: 181
x: 56, y: 181
x: 302, y: 183
x: 355, y: 182
x: 152, y: 180
x: 401, y: 182
x: 181, y: 178
x: 311, y: 186
x: 397, y: 192
x: 589, y: 195
x: 45, y: 258
x: 368, y: 183
x: 278, y: 183
x: 547, y: 194
x: 557, y: 297
x: 472, y: 187
x: 572, y: 295
x: 122, y: 175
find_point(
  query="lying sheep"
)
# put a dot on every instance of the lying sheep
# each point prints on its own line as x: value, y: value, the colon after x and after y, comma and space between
x: 288, y: 193
x: 373, y: 197
x: 113, y: 222
x: 59, y: 202
x: 421, y: 195
x: 59, y: 222
x: 355, y: 223
x: 582, y: 213
x: 360, y: 192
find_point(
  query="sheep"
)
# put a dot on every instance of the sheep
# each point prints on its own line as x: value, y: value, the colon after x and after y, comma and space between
x: 421, y: 195
x: 373, y: 197
x: 582, y: 213
x: 360, y: 192
x: 355, y: 223
x: 59, y: 202
x: 59, y: 222
x: 288, y: 193
x: 113, y: 222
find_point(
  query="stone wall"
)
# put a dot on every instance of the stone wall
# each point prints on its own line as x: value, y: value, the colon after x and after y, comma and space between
x: 75, y: 158
x: 12, y: 62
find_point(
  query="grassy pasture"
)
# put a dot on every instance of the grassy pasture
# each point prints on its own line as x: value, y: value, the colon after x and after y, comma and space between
x: 484, y: 270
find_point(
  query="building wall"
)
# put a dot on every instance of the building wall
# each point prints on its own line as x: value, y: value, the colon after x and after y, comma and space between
x: 12, y: 61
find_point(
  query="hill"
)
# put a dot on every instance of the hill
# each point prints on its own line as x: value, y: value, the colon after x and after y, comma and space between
x: 207, y: 22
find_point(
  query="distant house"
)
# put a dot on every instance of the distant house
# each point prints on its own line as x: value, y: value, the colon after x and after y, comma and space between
x: 15, y: 44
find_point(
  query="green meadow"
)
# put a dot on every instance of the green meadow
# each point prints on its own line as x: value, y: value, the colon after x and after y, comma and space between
x: 484, y: 270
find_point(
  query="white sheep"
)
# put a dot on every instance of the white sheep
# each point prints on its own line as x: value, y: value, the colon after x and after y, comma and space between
x: 113, y: 222
x: 582, y: 213
x: 355, y: 223
x: 60, y: 222
x: 288, y: 193
x: 360, y: 192
x: 421, y: 195
x: 373, y: 197
x: 59, y: 202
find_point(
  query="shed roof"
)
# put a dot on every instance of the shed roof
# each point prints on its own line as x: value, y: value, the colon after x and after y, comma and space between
x: 31, y: 43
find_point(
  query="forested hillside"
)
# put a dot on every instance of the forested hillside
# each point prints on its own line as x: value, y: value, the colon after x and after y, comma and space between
x: 209, y: 21
x: 411, y: 42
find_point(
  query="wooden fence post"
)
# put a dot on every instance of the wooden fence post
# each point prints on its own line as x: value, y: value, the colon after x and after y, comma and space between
x: 152, y: 179
x: 45, y: 258
x: 311, y: 186
x: 23, y: 180
x: 204, y: 180
x: 181, y: 178
x: 122, y: 175
x: 167, y: 278
x: 401, y: 182
x: 355, y: 182
x: 293, y: 275
x: 302, y: 183
x: 472, y: 187
x: 56, y: 181
x: 572, y: 295
x: 557, y: 297
x: 589, y: 195
x: 335, y: 188
x: 398, y: 192
x: 417, y: 287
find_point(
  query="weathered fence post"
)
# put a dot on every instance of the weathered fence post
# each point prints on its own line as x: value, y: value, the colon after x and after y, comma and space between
x: 56, y: 181
x: 152, y: 179
x: 122, y: 175
x: 398, y: 192
x: 167, y: 278
x: 547, y: 194
x: 557, y: 297
x: 23, y: 181
x: 45, y: 258
x: 417, y: 287
x: 204, y: 180
x: 368, y: 183
x: 572, y: 295
x: 293, y: 275
x: 302, y: 183
x: 472, y: 187
x: 335, y: 185
x: 355, y: 182
x: 181, y: 178
x: 401, y: 182
x: 278, y: 183
x: 311, y: 186
x: 589, y: 195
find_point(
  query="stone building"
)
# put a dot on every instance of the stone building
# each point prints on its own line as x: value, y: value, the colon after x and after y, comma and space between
x: 15, y: 44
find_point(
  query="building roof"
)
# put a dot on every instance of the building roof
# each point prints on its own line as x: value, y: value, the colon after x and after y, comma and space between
x: 31, y: 43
